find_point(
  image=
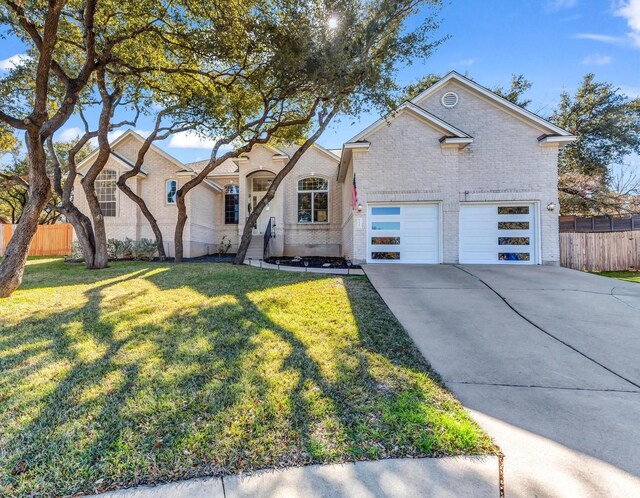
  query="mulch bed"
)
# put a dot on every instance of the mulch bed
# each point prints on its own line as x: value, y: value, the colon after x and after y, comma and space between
x: 225, y: 258
x: 313, y: 262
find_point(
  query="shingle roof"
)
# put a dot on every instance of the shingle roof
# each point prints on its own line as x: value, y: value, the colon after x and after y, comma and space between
x: 228, y: 166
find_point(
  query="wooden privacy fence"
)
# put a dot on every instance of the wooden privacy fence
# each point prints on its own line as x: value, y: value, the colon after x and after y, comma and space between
x: 603, y: 251
x: 50, y: 240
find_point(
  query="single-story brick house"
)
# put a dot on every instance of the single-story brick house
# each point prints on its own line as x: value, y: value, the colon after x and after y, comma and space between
x: 458, y: 174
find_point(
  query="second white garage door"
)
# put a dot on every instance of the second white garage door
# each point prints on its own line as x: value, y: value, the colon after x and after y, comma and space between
x: 498, y: 233
x: 403, y: 233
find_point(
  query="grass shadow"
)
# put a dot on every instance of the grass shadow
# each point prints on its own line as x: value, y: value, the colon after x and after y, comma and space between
x: 161, y: 372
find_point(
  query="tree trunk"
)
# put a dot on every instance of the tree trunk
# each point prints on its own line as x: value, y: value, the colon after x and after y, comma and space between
x: 247, y: 234
x: 324, y: 120
x: 147, y: 214
x: 101, y: 256
x: 180, y: 223
x: 84, y: 233
x: 15, y: 257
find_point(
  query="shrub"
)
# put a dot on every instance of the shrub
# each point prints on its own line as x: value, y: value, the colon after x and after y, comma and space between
x: 224, y: 246
x: 121, y: 249
x: 114, y: 248
x: 76, y: 251
x: 128, y: 248
x: 144, y: 249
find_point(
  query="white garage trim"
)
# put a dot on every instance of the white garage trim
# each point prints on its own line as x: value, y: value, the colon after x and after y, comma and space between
x: 414, y: 229
x: 484, y: 241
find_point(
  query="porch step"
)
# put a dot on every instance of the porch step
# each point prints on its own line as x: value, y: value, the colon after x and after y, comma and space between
x: 255, y: 248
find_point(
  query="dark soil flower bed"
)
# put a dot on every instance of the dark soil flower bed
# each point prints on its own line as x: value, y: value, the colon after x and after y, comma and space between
x: 313, y: 262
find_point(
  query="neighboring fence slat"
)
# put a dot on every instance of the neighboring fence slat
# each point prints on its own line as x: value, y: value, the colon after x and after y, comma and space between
x: 600, y: 251
x: 599, y: 223
x: 50, y: 240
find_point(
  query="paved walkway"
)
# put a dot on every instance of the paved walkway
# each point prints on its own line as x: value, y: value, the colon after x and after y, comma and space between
x: 547, y: 361
x: 398, y: 478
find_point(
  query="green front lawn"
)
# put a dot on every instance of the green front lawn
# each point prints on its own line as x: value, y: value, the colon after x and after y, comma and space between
x: 149, y: 372
x: 629, y: 276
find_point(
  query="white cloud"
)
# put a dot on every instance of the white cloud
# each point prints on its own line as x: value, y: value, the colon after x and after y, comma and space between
x: 13, y: 61
x: 597, y: 60
x: 190, y: 140
x: 630, y: 10
x: 554, y: 5
x: 465, y: 62
x: 614, y: 40
x: 69, y: 134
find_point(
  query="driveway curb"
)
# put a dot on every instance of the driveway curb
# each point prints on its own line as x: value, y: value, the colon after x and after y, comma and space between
x: 469, y: 476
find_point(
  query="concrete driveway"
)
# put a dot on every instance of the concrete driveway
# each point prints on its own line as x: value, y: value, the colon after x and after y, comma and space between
x: 546, y: 359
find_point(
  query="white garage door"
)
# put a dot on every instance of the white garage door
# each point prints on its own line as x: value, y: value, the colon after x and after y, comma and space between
x: 498, y: 233
x: 403, y: 233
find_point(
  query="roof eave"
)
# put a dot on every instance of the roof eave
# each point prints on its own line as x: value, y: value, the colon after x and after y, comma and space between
x: 455, y: 142
x: 556, y: 140
x: 347, y: 153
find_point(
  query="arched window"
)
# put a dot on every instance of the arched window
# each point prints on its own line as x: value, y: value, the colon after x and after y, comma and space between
x: 106, y: 191
x: 231, y: 204
x: 313, y: 200
x: 171, y: 190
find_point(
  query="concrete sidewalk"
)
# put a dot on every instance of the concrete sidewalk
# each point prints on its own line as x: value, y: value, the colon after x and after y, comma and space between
x: 544, y: 358
x: 394, y: 478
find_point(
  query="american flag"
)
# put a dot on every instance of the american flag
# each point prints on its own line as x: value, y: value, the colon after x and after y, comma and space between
x: 354, y: 194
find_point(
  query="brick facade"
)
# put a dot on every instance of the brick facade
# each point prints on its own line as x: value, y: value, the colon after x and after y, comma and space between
x: 505, y: 162
x: 405, y: 162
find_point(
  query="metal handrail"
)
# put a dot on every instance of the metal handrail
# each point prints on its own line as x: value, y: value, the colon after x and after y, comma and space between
x: 267, y: 239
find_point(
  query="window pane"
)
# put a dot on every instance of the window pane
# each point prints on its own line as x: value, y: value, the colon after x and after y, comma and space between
x: 320, y: 207
x: 385, y: 210
x: 231, y: 204
x: 231, y: 189
x: 513, y: 225
x: 172, y: 188
x: 304, y: 208
x: 385, y: 241
x: 513, y: 210
x: 514, y: 256
x: 385, y: 225
x: 313, y: 184
x: 105, y: 185
x: 513, y: 241
x: 261, y: 184
x: 385, y: 255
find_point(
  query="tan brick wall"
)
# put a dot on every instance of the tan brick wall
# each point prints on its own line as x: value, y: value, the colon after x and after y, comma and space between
x: 220, y: 228
x: 313, y: 238
x: 129, y: 221
x: 347, y: 214
x: 293, y: 238
x: 505, y: 162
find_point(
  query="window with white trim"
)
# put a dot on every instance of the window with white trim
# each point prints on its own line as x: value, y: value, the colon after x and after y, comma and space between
x: 105, y: 186
x: 313, y: 200
x: 231, y: 204
x: 171, y: 191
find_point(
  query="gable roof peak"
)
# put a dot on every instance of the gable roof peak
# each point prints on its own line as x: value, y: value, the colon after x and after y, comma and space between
x: 495, y: 99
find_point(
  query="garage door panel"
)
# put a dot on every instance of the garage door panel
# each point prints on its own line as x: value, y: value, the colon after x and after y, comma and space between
x: 498, y: 233
x: 403, y: 233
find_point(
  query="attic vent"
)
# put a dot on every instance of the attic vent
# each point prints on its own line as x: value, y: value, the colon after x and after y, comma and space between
x: 450, y: 99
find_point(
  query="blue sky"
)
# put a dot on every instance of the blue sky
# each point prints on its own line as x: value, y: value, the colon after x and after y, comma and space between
x: 552, y: 42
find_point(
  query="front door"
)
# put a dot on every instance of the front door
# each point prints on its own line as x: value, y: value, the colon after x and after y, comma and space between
x: 259, y: 187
